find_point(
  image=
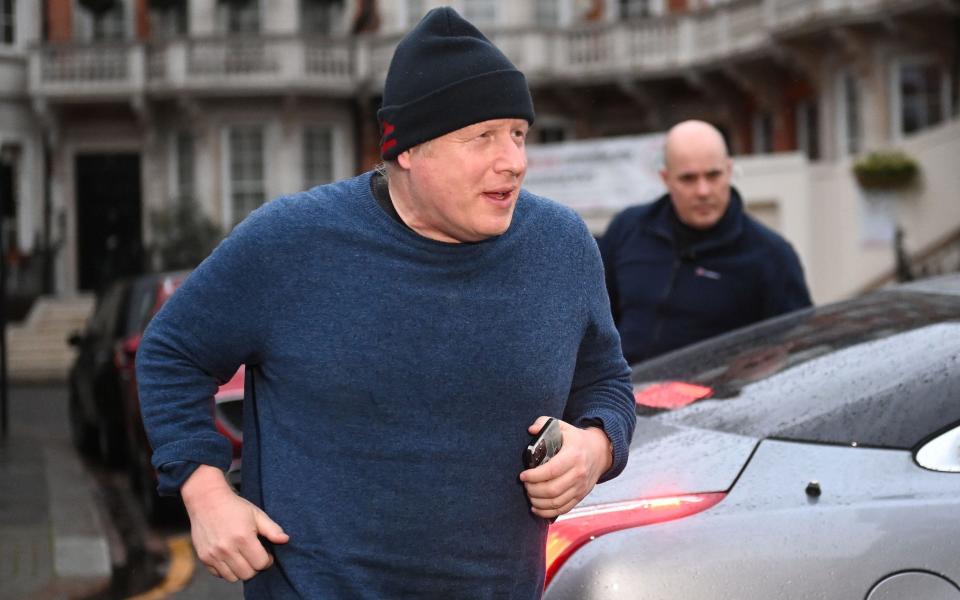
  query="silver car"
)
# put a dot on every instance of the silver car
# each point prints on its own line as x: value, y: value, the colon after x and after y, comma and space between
x: 816, y: 455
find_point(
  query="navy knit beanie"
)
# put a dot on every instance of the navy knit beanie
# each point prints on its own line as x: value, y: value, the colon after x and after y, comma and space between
x: 446, y: 75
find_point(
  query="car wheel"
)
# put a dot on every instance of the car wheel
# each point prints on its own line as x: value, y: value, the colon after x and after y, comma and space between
x: 83, y: 434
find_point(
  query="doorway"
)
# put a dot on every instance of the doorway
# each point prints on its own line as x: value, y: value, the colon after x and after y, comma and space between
x: 109, y: 240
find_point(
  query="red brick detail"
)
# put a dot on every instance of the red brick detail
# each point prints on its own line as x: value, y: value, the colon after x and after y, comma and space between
x: 59, y: 21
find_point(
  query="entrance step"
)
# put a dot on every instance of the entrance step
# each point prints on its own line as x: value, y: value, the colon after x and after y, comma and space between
x: 37, y: 349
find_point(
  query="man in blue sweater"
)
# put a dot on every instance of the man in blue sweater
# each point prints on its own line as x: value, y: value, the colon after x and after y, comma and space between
x: 404, y: 333
x: 693, y: 264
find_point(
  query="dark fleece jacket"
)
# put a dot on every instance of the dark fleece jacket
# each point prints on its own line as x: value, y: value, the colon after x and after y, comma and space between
x: 669, y: 290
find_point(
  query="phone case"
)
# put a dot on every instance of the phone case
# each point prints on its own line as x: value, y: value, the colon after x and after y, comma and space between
x: 544, y: 446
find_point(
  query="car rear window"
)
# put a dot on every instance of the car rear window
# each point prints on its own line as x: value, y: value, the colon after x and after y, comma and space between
x: 881, y: 371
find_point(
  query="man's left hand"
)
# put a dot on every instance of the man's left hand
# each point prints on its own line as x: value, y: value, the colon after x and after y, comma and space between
x: 560, y: 484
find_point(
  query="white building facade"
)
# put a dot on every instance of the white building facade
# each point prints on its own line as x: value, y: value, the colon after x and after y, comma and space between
x: 114, y: 109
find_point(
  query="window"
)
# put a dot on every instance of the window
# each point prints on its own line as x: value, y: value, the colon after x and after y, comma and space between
x: 168, y: 20
x: 317, y: 156
x: 480, y: 12
x: 184, y: 157
x: 8, y: 21
x: 415, y: 11
x: 320, y: 16
x: 851, y: 131
x: 808, y: 129
x: 239, y: 17
x: 762, y: 133
x: 547, y: 13
x: 109, y: 24
x: 921, y: 90
x: 551, y: 134
x: 634, y: 9
x: 247, y: 189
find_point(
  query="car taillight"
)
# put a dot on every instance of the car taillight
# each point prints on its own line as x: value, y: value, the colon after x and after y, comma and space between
x: 582, y: 525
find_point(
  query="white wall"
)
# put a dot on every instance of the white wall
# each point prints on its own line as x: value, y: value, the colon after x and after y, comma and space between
x: 844, y: 258
x: 780, y: 181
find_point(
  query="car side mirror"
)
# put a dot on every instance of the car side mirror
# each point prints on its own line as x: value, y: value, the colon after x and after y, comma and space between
x: 942, y: 453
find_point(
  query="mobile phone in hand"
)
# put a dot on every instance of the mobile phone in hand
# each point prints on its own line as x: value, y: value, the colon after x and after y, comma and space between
x: 544, y: 445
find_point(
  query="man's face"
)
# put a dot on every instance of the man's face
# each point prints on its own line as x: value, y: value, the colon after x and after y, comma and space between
x: 464, y: 185
x: 698, y: 179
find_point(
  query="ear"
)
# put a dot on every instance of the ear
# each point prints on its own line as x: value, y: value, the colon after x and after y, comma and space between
x: 664, y: 176
x: 403, y: 159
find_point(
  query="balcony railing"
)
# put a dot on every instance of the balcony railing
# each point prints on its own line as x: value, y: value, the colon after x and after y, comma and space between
x: 326, y: 65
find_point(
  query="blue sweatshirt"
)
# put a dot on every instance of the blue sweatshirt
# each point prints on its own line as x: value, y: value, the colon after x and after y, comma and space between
x: 391, y: 380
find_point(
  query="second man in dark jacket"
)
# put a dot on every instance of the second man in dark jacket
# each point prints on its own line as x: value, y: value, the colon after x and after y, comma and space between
x: 693, y: 264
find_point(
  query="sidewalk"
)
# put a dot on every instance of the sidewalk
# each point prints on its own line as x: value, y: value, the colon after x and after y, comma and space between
x: 54, y: 536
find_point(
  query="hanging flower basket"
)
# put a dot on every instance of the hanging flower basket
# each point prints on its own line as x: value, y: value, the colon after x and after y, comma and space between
x: 886, y: 170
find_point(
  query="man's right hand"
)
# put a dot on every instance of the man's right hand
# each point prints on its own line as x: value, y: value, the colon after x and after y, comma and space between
x: 225, y: 526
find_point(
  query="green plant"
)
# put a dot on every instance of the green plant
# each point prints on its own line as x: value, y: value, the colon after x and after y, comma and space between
x: 182, y: 235
x: 886, y: 169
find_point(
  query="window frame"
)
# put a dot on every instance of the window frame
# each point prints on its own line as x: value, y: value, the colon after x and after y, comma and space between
x: 843, y: 133
x: 896, y: 98
x: 176, y: 171
x: 469, y: 8
x: 336, y: 16
x: 225, y: 9
x: 230, y: 188
x: 809, y: 145
x: 307, y: 180
x: 85, y: 23
x: 8, y: 21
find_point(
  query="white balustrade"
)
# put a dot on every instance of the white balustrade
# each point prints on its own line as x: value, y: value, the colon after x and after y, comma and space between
x: 348, y: 64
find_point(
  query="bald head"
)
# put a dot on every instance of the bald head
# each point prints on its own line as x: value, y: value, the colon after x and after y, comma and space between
x: 693, y: 135
x: 696, y: 171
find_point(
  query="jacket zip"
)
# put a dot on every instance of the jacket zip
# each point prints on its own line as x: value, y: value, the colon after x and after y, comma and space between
x: 658, y: 325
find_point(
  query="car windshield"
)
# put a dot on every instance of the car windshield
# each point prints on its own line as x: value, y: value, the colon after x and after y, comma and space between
x: 882, y: 370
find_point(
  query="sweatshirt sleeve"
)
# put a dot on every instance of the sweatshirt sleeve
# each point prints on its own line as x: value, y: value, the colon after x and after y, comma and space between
x: 205, y: 331
x: 601, y: 392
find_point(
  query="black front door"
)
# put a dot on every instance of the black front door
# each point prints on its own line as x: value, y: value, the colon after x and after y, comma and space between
x: 109, y: 243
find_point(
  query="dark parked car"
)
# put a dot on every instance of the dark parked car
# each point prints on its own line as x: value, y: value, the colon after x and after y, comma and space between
x: 815, y: 455
x: 103, y: 367
x: 104, y: 403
